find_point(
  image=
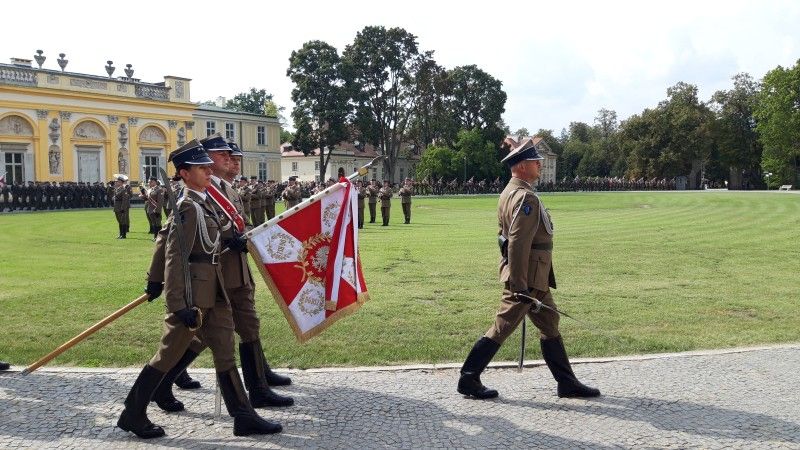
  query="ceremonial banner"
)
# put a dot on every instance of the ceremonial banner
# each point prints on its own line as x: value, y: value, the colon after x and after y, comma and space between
x: 309, y: 259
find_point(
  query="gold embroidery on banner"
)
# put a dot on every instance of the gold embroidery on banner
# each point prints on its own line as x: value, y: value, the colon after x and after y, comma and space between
x: 310, y: 304
x: 330, y: 213
x: 313, y: 258
x: 278, y: 249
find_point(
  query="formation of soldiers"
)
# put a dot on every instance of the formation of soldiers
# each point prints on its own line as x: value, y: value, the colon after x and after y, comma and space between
x: 455, y: 187
x: 43, y: 196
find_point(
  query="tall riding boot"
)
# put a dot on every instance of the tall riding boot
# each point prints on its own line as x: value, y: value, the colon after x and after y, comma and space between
x: 252, y: 358
x: 275, y: 379
x: 184, y: 381
x: 470, y: 381
x: 555, y: 356
x: 245, y: 419
x: 163, y: 395
x: 134, y: 416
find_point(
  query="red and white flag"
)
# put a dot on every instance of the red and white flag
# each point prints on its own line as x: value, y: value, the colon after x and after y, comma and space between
x: 309, y: 259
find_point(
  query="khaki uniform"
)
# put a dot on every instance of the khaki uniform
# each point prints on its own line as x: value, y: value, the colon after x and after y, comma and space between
x: 257, y: 203
x: 154, y: 203
x: 292, y: 196
x: 405, y: 200
x: 269, y: 200
x: 245, y: 194
x: 528, y: 265
x: 208, y: 288
x: 362, y: 194
x: 122, y: 205
x: 372, y: 191
x: 385, y: 194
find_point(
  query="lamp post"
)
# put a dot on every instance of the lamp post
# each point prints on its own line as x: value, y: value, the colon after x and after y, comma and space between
x: 767, y: 175
x: 465, y: 168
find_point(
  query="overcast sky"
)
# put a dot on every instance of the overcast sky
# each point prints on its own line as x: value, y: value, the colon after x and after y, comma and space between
x: 558, y: 61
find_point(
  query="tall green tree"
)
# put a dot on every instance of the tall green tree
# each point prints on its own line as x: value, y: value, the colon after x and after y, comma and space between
x: 778, y: 124
x: 437, y: 162
x: 738, y: 144
x: 476, y: 101
x: 429, y: 120
x: 478, y: 154
x: 380, y: 68
x: 320, y: 99
x: 257, y: 101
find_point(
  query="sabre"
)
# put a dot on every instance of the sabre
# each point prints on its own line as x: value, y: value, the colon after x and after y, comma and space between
x: 187, y: 277
x: 538, y: 305
x: 522, y: 346
x: 91, y: 330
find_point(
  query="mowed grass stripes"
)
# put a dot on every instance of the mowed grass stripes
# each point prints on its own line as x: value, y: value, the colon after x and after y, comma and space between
x: 661, y: 271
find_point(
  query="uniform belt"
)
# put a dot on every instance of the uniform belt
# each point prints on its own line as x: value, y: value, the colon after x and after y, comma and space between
x: 542, y: 246
x: 205, y: 258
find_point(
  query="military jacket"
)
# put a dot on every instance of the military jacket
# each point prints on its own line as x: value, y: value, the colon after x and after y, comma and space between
x: 385, y: 194
x: 122, y: 198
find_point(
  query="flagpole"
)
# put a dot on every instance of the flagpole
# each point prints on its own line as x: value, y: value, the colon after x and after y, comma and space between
x: 297, y: 208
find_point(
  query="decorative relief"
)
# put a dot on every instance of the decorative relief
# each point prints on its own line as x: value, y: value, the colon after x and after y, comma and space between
x: 123, y: 135
x: 52, y: 79
x: 89, y: 130
x: 179, y: 89
x: 88, y: 84
x: 54, y: 158
x: 133, y: 121
x: 152, y: 134
x: 172, y: 123
x: 54, y: 131
x: 181, y: 136
x: 42, y: 114
x: 15, y: 125
x: 122, y: 87
x: 189, y: 124
x: 65, y: 115
x: 113, y: 119
x: 152, y: 92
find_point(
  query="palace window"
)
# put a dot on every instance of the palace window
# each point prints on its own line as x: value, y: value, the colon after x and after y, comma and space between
x: 316, y: 165
x: 14, y: 168
x: 261, y: 135
x: 229, y: 131
x: 262, y: 170
x: 211, y: 127
x: 294, y: 166
x: 150, y: 166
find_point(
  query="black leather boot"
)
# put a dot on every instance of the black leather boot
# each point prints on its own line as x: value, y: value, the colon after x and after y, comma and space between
x: 252, y: 358
x: 470, y: 381
x: 555, y: 356
x: 184, y: 381
x: 274, y: 379
x: 121, y: 232
x: 163, y: 394
x: 245, y: 419
x: 134, y: 416
x: 4, y: 365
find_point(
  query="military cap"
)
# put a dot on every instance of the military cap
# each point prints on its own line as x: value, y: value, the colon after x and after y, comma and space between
x: 191, y: 153
x: 243, y: 178
x: 120, y: 177
x: 292, y: 178
x: 153, y: 179
x: 215, y: 143
x: 525, y: 152
x: 235, y: 151
x: 253, y: 177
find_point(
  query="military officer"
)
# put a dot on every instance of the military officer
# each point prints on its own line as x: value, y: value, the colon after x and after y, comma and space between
x: 244, y: 193
x: 239, y: 287
x: 405, y: 199
x: 269, y: 198
x: 154, y: 203
x: 292, y: 195
x: 385, y: 193
x: 362, y: 194
x: 372, y: 191
x: 122, y: 205
x: 257, y: 202
x: 204, y: 310
x: 526, y: 242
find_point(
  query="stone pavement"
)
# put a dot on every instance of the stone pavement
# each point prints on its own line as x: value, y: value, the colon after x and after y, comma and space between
x: 746, y: 398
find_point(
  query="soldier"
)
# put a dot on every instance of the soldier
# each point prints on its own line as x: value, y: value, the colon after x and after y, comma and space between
x: 372, y: 191
x: 257, y: 202
x: 269, y: 198
x: 154, y: 203
x: 239, y: 289
x: 292, y: 194
x: 122, y: 204
x: 206, y: 313
x: 362, y: 194
x: 244, y: 194
x: 405, y: 199
x: 526, y: 244
x: 385, y: 193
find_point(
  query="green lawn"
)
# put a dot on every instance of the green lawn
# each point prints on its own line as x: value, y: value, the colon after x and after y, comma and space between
x: 657, y: 272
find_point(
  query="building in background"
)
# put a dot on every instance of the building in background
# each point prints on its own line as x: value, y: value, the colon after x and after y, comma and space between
x: 258, y: 136
x: 64, y: 126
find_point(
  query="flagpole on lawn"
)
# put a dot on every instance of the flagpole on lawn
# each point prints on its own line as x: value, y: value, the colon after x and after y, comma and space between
x: 295, y: 209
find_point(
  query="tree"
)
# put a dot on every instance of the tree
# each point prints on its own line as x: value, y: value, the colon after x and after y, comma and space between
x: 478, y: 155
x: 256, y: 102
x: 320, y: 99
x: 778, y: 123
x: 739, y: 148
x: 287, y: 136
x: 437, y: 162
x: 477, y: 99
x: 522, y: 132
x: 380, y: 67
x: 429, y: 121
